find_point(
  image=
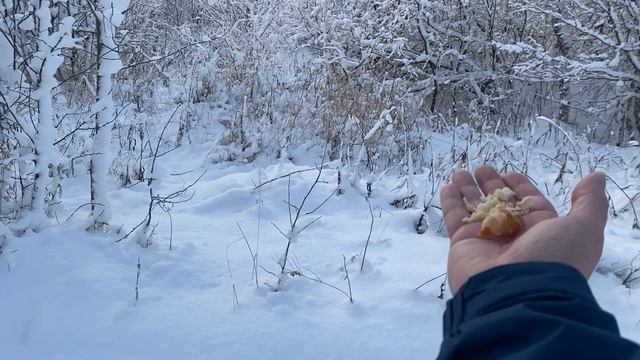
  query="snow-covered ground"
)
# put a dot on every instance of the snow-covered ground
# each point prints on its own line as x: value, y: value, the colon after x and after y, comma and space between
x: 69, y: 294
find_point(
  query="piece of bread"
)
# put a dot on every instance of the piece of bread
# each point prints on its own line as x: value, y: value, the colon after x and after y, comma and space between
x: 501, y: 214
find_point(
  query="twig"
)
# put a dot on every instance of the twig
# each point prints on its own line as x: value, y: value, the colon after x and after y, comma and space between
x: 170, y: 230
x: 138, y: 280
x: 162, y: 201
x: 280, y: 231
x: 233, y: 285
x: 366, y: 245
x: 78, y: 208
x: 632, y: 270
x: 269, y: 272
x: 299, y: 211
x: 290, y: 205
x: 289, y: 201
x: 430, y: 280
x: 443, y: 285
x: 255, y: 261
x: 318, y: 280
x: 636, y: 223
x: 346, y: 277
x: 236, y: 303
x: 573, y: 145
x: 309, y: 224
x: 254, y: 269
x: 164, y: 128
x: 322, y: 203
x: 282, y: 177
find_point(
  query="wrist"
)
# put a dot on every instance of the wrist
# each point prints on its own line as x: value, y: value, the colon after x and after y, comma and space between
x: 509, y: 285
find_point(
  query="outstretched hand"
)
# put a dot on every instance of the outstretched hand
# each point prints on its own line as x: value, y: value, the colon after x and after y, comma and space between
x: 575, y: 239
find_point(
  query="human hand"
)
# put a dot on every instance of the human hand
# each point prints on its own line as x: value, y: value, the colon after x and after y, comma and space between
x: 575, y: 239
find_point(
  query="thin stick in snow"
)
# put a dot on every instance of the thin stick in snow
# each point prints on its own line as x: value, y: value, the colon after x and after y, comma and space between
x: 294, y: 232
x: 284, y: 176
x: 636, y: 223
x: 255, y: 260
x: 254, y: 268
x: 573, y: 145
x: 428, y: 281
x: 319, y: 280
x: 138, y: 280
x: 233, y: 285
x: 346, y: 277
x: 366, y: 245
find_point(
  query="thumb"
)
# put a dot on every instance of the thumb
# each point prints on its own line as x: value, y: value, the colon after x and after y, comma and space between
x: 589, y: 201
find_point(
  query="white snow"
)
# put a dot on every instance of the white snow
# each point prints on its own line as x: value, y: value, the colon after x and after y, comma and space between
x: 70, y: 294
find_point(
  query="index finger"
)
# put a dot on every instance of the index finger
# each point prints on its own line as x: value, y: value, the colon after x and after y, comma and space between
x: 453, y: 207
x: 523, y: 187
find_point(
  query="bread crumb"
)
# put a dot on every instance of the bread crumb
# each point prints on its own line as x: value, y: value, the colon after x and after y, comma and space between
x: 501, y: 213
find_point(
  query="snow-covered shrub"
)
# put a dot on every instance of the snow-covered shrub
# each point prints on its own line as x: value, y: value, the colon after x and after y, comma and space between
x: 370, y: 79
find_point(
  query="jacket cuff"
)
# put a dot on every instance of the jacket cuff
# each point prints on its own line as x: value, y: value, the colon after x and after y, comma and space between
x: 508, y: 285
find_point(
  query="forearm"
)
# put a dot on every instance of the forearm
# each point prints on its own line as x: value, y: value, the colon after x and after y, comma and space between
x: 530, y: 310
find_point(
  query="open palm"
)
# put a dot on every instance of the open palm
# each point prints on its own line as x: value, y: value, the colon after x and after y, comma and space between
x: 575, y: 239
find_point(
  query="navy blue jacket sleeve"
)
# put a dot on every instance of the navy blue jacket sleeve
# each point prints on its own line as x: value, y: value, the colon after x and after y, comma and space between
x: 535, y: 310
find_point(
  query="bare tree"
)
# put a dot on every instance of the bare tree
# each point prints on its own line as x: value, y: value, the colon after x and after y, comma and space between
x: 107, y: 17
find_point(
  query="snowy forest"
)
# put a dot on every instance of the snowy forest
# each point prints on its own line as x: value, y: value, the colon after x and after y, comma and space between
x: 228, y: 179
